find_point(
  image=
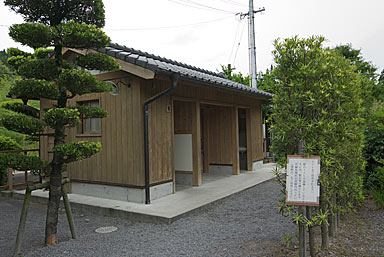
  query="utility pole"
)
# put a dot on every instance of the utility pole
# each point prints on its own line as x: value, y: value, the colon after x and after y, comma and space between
x: 251, y: 43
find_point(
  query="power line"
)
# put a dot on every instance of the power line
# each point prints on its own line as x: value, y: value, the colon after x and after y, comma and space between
x: 164, y: 27
x: 234, y: 41
x: 241, y: 36
x: 170, y: 27
x: 234, y: 3
x: 206, y: 6
x: 200, y: 6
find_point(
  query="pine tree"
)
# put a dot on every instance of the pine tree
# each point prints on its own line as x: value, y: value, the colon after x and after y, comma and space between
x: 58, y: 24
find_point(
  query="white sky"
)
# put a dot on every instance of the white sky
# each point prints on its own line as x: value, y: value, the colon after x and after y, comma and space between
x: 207, y: 45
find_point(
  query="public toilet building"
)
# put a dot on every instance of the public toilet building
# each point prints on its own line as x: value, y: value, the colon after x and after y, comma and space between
x: 197, y: 122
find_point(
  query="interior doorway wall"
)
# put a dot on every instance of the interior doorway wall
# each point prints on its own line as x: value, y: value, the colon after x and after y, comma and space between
x: 183, y: 142
x: 222, y: 141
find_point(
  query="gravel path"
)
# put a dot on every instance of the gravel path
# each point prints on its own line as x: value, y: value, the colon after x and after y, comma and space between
x: 246, y: 224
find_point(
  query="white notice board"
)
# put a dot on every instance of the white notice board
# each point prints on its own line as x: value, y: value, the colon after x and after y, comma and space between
x: 302, y: 185
x: 183, y: 152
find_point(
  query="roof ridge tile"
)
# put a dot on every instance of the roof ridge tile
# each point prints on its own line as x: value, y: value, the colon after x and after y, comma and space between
x: 156, y: 62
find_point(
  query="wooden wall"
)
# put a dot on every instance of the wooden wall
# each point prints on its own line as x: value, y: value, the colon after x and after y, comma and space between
x: 160, y: 131
x: 182, y: 117
x: 256, y: 132
x: 121, y: 161
x: 225, y: 99
x: 219, y: 132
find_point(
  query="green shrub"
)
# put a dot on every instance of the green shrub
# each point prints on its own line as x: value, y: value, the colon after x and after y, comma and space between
x: 374, y: 146
x: 376, y: 185
x: 6, y: 143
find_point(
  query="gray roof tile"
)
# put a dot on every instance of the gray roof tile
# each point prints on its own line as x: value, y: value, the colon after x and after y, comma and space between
x: 157, y: 63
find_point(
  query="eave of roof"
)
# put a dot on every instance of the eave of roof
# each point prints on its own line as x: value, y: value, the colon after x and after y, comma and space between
x: 160, y: 65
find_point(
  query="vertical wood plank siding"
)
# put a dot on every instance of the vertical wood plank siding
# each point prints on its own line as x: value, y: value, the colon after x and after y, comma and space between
x: 219, y: 126
x: 159, y: 131
x: 122, y: 157
x: 183, y: 117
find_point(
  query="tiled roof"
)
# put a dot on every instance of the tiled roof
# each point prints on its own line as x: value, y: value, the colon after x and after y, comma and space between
x: 187, y: 72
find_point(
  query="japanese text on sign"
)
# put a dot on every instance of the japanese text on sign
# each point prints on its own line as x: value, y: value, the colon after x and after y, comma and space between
x: 302, y: 185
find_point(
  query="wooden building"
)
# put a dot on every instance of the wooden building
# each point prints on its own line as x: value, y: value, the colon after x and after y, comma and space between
x: 196, y: 121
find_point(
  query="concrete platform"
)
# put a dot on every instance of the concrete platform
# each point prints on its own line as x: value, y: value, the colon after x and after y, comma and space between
x: 169, y: 208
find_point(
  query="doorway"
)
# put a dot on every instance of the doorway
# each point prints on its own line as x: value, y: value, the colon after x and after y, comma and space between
x: 243, y: 139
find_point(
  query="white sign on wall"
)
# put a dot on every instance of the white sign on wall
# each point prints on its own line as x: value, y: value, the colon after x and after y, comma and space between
x: 302, y: 185
x: 183, y: 152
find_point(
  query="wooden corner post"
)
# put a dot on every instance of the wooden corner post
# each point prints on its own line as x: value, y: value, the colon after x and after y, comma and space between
x: 235, y: 141
x: 196, y: 144
x: 249, y: 139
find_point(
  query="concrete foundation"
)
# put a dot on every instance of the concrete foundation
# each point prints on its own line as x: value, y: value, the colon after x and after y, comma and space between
x: 184, y: 179
x: 121, y: 193
x: 220, y: 169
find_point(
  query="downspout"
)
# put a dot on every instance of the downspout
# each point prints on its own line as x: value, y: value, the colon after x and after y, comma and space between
x: 175, y: 79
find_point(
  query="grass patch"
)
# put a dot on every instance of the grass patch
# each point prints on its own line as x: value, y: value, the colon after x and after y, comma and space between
x: 378, y: 197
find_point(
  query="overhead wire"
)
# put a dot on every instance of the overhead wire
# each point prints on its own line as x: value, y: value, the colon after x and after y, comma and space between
x: 197, y: 5
x: 241, y: 36
x: 200, y: 6
x: 206, y: 6
x: 234, y: 41
x: 234, y: 3
x: 163, y: 27
x: 169, y: 27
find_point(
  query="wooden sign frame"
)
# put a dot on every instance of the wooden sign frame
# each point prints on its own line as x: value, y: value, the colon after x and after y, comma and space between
x: 315, y: 172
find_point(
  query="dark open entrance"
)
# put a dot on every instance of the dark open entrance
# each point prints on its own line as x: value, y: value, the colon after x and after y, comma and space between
x: 243, y: 139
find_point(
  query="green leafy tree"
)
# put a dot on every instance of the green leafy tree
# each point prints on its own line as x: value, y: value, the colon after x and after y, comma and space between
x: 372, y: 89
x: 237, y: 77
x: 3, y: 60
x: 318, y: 104
x: 57, y: 24
x: 374, y: 154
x: 355, y: 57
x: 373, y: 98
x: 267, y: 82
x: 379, y: 89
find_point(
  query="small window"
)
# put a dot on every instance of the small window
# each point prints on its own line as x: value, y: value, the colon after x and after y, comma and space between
x: 90, y: 125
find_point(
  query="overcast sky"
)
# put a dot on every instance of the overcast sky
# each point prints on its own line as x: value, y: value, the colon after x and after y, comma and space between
x: 207, y: 33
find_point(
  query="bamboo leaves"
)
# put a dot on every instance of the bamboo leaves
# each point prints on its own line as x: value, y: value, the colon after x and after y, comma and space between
x: 318, y: 101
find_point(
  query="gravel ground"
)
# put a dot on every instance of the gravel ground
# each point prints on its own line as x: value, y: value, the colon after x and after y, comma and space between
x: 246, y: 224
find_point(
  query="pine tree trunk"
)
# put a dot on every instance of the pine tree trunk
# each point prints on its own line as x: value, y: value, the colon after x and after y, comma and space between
x: 55, y: 192
x: 53, y: 206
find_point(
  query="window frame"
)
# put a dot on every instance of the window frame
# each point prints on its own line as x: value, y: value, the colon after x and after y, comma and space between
x: 81, y: 130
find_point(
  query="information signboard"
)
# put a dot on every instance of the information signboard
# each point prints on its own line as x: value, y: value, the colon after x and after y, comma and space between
x: 303, y: 186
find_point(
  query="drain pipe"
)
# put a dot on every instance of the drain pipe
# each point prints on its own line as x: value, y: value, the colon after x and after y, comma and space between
x: 175, y: 79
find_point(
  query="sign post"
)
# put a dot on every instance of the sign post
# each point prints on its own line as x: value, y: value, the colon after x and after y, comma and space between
x: 303, y: 185
x: 303, y: 188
